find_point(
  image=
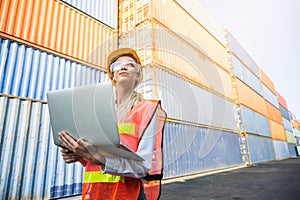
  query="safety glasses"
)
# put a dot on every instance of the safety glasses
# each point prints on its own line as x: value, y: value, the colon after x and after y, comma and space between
x: 124, y: 64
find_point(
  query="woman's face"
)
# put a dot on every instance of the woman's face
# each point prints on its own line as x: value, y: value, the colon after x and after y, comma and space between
x: 126, y: 71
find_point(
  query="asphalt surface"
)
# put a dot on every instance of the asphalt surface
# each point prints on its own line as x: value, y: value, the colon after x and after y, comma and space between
x: 274, y: 180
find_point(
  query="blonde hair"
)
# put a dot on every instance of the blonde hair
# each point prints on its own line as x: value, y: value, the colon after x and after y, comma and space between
x: 124, y: 108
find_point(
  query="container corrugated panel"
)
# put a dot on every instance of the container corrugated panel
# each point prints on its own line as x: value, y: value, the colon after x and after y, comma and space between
x: 244, y: 74
x: 287, y: 124
x: 238, y: 50
x: 281, y: 149
x: 250, y: 98
x: 56, y: 27
x: 290, y: 137
x: 284, y: 112
x: 202, y: 15
x: 104, y: 11
x: 273, y: 113
x: 270, y: 96
x: 260, y: 148
x: 292, y: 149
x: 296, y: 132
x: 188, y: 98
x: 295, y: 124
x: 277, y: 131
x: 266, y: 80
x: 282, y: 101
x: 189, y: 150
x: 29, y: 158
x: 255, y: 123
x: 158, y: 45
x: 297, y: 140
x: 133, y: 13
x: 29, y: 72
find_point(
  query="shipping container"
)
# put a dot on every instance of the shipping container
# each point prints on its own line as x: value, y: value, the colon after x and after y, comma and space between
x: 266, y: 81
x: 255, y: 123
x: 292, y: 149
x: 103, y: 11
x: 281, y: 101
x: 270, y: 96
x: 250, y: 99
x: 287, y: 124
x: 290, y: 137
x: 190, y: 149
x: 284, y: 112
x: 260, y: 148
x: 30, y: 73
x: 273, y: 113
x: 157, y: 45
x: 197, y: 11
x: 134, y: 13
x: 233, y: 45
x: 187, y: 102
x: 277, y: 131
x: 31, y: 166
x: 244, y: 74
x: 295, y: 124
x: 296, y: 132
x: 57, y: 28
x: 281, y: 149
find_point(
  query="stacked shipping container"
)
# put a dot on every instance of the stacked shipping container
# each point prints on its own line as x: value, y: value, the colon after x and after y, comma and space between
x: 189, y: 72
x: 222, y: 109
x: 286, y: 119
x: 44, y: 45
x: 249, y: 97
x: 274, y: 116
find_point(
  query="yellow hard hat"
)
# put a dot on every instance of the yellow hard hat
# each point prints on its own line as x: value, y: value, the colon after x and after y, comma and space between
x: 113, y: 56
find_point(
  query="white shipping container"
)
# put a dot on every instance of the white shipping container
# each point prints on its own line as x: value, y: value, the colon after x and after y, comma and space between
x: 207, y: 20
x: 188, y: 102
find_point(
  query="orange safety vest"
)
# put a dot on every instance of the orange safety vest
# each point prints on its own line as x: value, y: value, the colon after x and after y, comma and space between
x: 97, y: 185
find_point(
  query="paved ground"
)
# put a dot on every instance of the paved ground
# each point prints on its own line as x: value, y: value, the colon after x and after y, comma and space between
x: 275, y: 180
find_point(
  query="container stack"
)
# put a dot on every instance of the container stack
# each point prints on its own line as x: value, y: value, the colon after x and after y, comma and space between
x: 274, y: 116
x: 187, y: 68
x: 296, y: 131
x: 223, y: 110
x: 45, y: 45
x: 286, y: 119
x: 253, y: 113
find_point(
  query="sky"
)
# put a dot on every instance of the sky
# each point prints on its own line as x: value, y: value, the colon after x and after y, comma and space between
x: 269, y: 30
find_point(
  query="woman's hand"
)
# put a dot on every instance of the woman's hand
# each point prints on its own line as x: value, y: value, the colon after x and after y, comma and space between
x: 70, y: 157
x: 80, y: 148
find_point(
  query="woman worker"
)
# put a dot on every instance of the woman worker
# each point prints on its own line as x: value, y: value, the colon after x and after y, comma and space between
x: 140, y: 125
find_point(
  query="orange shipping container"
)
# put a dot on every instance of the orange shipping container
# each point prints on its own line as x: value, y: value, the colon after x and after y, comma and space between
x: 295, y: 124
x: 274, y: 113
x: 133, y: 13
x: 250, y: 98
x: 277, y: 131
x: 282, y: 101
x: 158, y: 45
x: 266, y: 80
x: 53, y: 26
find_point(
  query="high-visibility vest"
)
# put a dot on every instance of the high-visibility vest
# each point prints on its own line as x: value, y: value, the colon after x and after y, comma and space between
x: 97, y: 185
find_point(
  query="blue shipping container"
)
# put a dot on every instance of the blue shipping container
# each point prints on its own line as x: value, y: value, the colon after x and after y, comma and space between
x: 255, y: 123
x: 30, y: 73
x: 190, y: 149
x: 281, y: 149
x: 260, y: 148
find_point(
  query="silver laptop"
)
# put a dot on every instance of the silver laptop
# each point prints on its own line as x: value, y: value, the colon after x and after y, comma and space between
x: 88, y: 112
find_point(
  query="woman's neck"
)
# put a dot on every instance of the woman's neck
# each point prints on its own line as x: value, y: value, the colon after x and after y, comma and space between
x: 123, y: 94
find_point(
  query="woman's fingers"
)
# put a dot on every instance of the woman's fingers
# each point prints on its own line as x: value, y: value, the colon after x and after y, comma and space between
x: 67, y: 141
